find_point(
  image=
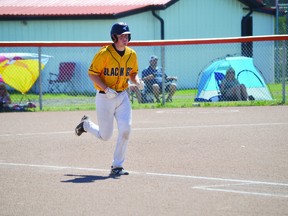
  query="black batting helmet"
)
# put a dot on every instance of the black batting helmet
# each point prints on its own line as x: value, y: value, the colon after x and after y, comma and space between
x: 118, y: 29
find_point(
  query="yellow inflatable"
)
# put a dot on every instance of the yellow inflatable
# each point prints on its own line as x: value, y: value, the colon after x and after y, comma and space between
x: 20, y: 72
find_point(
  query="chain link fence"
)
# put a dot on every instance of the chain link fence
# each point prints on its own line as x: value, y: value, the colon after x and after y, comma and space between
x: 281, y: 25
x: 196, y: 69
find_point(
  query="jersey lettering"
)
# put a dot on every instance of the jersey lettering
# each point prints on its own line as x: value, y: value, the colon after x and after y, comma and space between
x: 106, y: 71
x: 121, y: 71
x: 112, y: 72
x: 116, y: 72
x: 128, y: 71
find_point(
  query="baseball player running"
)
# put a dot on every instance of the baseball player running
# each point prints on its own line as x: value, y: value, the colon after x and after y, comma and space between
x: 110, y: 71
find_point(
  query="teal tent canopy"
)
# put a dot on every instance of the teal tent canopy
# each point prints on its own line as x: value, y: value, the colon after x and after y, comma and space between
x: 245, y: 71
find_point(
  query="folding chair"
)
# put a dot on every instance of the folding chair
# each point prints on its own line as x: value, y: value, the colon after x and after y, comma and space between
x: 64, y: 79
x: 219, y: 77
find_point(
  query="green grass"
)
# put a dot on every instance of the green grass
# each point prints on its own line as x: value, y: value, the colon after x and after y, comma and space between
x: 185, y: 98
x: 181, y: 99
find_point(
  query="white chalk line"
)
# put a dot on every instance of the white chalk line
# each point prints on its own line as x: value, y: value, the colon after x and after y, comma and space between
x: 219, y: 179
x: 153, y: 128
x: 38, y: 133
x: 219, y: 188
x: 53, y: 167
x: 243, y: 192
x: 215, y: 187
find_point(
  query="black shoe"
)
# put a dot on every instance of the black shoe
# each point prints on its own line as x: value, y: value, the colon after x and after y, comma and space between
x: 118, y: 171
x: 80, y: 129
x: 251, y: 98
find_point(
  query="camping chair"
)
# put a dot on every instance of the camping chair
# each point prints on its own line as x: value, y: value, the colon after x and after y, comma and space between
x: 64, y: 78
x: 219, y: 77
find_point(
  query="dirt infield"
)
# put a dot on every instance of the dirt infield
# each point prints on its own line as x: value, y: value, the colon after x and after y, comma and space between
x: 190, y: 161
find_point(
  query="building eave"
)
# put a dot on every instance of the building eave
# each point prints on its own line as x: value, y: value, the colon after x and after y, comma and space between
x: 74, y: 13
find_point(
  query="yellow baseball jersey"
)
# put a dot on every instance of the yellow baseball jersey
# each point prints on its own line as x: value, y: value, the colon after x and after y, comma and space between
x: 113, y: 69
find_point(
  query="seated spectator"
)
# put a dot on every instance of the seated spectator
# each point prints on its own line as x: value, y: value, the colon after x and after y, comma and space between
x: 5, y: 99
x: 231, y: 89
x: 152, y: 77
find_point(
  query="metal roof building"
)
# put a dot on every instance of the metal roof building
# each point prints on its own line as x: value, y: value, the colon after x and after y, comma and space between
x: 91, y: 20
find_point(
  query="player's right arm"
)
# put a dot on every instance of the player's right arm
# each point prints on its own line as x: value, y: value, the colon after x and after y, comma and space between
x: 95, y: 69
x: 98, y: 81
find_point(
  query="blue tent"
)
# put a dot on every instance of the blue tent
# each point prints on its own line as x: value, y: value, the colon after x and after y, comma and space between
x: 245, y: 71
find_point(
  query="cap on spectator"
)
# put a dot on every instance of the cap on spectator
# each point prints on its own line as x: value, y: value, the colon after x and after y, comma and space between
x: 153, y: 57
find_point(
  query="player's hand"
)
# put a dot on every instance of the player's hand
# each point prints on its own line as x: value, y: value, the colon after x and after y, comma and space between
x: 140, y: 85
x: 110, y: 93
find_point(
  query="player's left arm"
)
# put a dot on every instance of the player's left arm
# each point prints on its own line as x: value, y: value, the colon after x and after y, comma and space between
x: 134, y: 78
x: 133, y: 74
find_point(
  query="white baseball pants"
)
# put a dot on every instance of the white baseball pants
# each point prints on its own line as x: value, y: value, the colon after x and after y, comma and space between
x: 106, y: 110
